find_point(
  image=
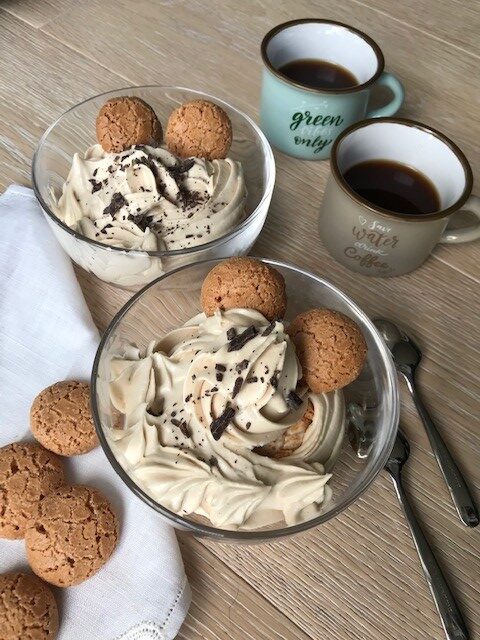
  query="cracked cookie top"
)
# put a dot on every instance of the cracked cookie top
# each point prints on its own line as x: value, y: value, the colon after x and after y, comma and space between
x: 126, y: 121
x: 28, y: 610
x: 74, y: 533
x: 244, y: 283
x: 61, y: 418
x: 28, y: 472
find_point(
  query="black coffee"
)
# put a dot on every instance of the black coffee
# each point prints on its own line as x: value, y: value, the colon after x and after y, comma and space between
x: 393, y: 186
x: 318, y: 74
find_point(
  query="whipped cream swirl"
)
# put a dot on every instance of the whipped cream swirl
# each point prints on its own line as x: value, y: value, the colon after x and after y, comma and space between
x: 146, y: 198
x: 198, y: 403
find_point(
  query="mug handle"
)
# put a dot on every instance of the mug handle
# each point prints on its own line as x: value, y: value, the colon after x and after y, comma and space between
x: 396, y: 87
x: 455, y: 236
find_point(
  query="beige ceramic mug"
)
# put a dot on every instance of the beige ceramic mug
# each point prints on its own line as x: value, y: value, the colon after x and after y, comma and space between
x: 377, y: 242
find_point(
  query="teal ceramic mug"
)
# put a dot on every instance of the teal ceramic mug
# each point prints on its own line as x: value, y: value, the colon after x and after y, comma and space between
x: 303, y: 121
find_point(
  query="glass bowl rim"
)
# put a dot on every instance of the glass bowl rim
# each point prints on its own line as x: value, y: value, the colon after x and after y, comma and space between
x: 252, y: 535
x: 268, y: 163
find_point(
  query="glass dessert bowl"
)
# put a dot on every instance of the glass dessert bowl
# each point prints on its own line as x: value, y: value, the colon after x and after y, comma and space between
x: 74, y: 132
x: 371, y: 400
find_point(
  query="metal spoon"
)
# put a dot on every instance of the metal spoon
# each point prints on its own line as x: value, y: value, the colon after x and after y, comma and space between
x: 407, y: 356
x: 447, y: 608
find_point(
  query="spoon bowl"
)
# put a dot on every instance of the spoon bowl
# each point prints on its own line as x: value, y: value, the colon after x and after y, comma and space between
x: 406, y: 357
x: 399, y: 455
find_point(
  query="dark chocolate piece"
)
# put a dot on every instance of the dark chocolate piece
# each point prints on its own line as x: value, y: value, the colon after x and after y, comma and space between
x: 241, y: 339
x: 96, y: 186
x: 268, y: 330
x: 293, y: 400
x: 219, y: 425
x: 116, y: 203
x: 220, y: 367
x: 237, y: 386
x: 241, y: 366
x: 274, y: 380
x: 182, y: 425
x: 231, y: 333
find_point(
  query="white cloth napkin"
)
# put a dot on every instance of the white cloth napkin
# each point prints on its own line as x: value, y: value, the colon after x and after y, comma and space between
x: 46, y: 335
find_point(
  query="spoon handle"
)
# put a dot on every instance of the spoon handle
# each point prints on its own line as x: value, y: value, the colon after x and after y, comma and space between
x: 450, y: 616
x: 461, y: 496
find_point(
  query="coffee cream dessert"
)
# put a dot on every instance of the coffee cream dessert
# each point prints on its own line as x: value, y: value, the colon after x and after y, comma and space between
x: 128, y: 191
x: 216, y: 417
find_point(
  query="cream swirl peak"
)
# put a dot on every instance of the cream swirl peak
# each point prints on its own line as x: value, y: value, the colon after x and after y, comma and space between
x: 199, y: 403
x: 147, y: 198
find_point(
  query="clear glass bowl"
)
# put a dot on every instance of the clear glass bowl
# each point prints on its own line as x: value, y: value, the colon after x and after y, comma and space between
x: 174, y: 298
x: 74, y: 132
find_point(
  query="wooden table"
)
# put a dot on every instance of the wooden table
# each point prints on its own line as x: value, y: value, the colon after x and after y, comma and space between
x: 358, y: 577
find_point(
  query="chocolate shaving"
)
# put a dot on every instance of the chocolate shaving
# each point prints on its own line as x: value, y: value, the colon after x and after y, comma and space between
x: 219, y: 376
x: 252, y: 379
x: 182, y: 166
x: 219, y: 425
x: 182, y: 425
x: 149, y: 162
x: 268, y: 330
x: 241, y: 366
x: 241, y: 340
x: 116, y: 203
x: 248, y: 425
x: 220, y: 367
x: 96, y: 186
x: 213, y: 462
x: 188, y: 398
x: 184, y: 429
x: 231, y: 333
x: 274, y: 380
x: 142, y: 221
x: 293, y: 400
x: 188, y: 199
x: 237, y: 386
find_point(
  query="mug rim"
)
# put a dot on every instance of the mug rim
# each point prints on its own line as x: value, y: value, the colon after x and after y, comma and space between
x: 407, y: 122
x: 298, y: 85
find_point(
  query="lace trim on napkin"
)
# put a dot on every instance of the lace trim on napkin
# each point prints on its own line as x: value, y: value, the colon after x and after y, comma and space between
x: 153, y: 630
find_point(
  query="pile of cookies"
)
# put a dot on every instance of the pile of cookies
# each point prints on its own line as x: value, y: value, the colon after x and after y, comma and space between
x: 329, y: 345
x: 198, y: 128
x: 70, y: 531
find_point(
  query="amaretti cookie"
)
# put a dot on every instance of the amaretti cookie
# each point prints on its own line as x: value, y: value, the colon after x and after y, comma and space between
x: 61, y: 419
x: 291, y: 439
x: 28, y: 610
x: 199, y: 129
x: 330, y: 347
x: 244, y: 283
x: 126, y: 121
x: 74, y: 533
x: 28, y: 473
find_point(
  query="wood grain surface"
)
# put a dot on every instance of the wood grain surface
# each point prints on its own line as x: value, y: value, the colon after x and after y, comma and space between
x: 357, y: 577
